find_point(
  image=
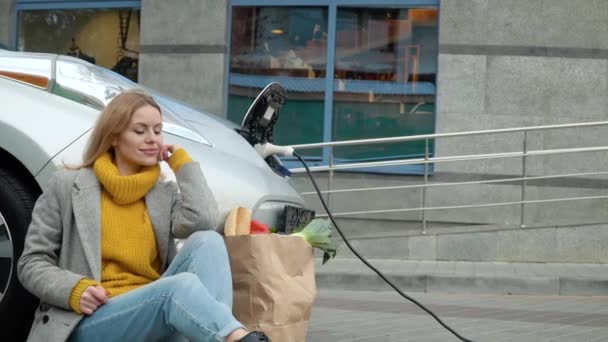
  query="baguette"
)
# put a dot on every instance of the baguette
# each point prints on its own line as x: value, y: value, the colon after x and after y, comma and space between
x: 243, y: 221
x: 230, y: 224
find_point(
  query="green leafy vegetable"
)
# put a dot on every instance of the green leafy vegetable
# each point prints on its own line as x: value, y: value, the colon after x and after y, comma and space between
x: 318, y: 234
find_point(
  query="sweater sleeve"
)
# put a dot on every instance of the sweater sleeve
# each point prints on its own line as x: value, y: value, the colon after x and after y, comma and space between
x: 178, y: 159
x: 77, y: 292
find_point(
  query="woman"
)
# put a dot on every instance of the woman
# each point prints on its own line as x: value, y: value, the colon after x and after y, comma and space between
x: 102, y: 235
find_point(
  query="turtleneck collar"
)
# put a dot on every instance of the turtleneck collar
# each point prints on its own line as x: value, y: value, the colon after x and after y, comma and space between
x: 124, y: 189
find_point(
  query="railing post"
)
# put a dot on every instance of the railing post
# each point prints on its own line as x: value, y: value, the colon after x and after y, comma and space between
x: 522, y: 210
x: 426, y: 180
x: 330, y: 179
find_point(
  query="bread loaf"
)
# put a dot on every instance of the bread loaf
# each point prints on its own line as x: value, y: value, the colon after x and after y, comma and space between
x: 243, y: 221
x: 230, y: 224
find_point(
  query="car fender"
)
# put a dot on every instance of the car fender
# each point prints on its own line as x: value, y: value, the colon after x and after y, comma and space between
x: 35, y: 131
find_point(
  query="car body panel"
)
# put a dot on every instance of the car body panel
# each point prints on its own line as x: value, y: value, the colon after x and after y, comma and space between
x: 32, y: 137
x: 221, y: 132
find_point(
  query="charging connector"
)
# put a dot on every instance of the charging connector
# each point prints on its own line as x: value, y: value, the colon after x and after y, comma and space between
x: 267, y: 149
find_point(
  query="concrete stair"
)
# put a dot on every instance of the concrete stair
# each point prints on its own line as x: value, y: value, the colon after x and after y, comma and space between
x: 505, y: 278
x: 446, y: 241
x: 570, y: 260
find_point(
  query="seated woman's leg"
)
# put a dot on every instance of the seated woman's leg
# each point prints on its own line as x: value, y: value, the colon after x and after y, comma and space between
x: 174, y: 304
x: 204, y: 254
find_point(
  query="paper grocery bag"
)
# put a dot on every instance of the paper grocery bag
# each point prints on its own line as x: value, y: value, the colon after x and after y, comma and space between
x: 274, y: 286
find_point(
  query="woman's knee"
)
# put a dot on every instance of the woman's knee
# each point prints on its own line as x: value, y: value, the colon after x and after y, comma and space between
x: 205, y: 238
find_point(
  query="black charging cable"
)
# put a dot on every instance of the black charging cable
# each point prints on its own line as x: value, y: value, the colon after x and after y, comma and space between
x: 367, y: 263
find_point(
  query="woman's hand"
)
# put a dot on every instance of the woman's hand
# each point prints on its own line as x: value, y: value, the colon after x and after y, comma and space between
x: 92, y: 298
x: 163, y: 155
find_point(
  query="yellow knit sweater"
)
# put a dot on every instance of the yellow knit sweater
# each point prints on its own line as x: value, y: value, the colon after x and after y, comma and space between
x: 129, y: 253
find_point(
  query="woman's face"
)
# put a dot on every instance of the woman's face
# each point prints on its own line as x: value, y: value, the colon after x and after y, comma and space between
x: 139, y: 145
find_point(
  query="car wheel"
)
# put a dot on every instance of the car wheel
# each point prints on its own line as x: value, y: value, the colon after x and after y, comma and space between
x: 16, y: 304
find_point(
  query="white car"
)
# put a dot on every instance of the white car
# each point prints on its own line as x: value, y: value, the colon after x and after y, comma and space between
x: 50, y: 104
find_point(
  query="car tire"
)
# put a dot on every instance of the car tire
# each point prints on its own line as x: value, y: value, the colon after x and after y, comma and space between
x: 16, y: 304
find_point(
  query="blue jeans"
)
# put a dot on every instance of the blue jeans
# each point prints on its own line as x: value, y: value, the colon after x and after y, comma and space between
x: 192, y: 299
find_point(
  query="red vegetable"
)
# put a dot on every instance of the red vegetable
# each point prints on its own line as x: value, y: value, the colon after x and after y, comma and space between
x: 259, y: 228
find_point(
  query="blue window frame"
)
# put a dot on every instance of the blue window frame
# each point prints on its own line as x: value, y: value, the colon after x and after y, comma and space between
x: 334, y: 91
x: 72, y: 4
x: 105, y: 33
x: 23, y: 5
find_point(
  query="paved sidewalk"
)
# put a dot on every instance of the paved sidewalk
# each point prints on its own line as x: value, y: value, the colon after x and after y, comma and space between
x: 364, y: 316
x: 467, y: 277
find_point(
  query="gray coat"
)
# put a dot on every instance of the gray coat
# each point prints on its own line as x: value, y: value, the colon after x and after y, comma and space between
x: 63, y: 243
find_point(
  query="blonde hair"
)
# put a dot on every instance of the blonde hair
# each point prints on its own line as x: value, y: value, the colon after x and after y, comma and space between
x: 112, y: 121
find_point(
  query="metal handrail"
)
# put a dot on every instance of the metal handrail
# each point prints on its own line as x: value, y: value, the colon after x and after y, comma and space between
x: 433, y: 160
x: 427, y: 160
x: 444, y: 135
x: 484, y: 205
x: 430, y: 185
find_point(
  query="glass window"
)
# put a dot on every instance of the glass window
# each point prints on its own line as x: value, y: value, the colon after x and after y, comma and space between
x: 105, y: 37
x: 384, y: 84
x: 384, y: 79
x: 286, y: 45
